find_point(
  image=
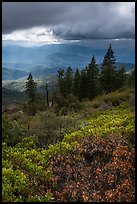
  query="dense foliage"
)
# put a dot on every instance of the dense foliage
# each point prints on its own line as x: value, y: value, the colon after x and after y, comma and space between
x: 83, y: 156
x: 97, y: 170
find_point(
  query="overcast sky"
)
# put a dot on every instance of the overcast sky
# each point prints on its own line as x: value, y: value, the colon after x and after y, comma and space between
x: 59, y: 22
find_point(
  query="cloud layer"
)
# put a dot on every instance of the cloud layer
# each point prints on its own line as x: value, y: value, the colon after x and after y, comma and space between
x: 71, y: 20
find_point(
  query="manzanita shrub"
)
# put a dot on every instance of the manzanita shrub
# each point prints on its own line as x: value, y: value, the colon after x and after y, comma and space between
x: 99, y: 169
x: 26, y: 176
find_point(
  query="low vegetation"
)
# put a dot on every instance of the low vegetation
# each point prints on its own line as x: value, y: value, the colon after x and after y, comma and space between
x: 82, y: 156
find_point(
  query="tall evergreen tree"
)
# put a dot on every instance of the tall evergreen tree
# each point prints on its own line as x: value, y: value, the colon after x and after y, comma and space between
x: 83, y: 85
x: 31, y: 88
x: 68, y: 81
x: 61, y: 81
x: 120, y: 77
x: 76, y: 82
x: 92, y: 79
x: 47, y: 94
x: 108, y: 73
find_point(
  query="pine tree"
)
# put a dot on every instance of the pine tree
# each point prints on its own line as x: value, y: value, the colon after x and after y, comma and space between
x: 120, y: 77
x: 76, y: 83
x: 47, y: 94
x: 92, y: 79
x: 31, y: 88
x: 83, y: 85
x: 61, y: 81
x: 108, y: 73
x: 68, y: 81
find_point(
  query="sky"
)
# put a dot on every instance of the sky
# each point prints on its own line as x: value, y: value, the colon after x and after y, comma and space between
x: 39, y: 23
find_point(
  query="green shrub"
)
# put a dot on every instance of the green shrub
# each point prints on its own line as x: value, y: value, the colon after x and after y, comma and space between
x: 47, y: 198
x: 12, y: 131
x: 28, y: 143
x: 95, y: 105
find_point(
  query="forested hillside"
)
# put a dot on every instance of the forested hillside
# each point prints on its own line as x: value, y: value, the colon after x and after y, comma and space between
x: 75, y: 141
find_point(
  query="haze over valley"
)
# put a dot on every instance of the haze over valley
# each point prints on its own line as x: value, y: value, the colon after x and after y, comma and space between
x: 46, y: 60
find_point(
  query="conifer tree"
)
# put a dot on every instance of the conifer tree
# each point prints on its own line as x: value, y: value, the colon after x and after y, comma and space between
x: 68, y: 81
x: 31, y: 88
x: 61, y: 81
x: 92, y: 79
x: 108, y: 73
x: 83, y: 85
x: 120, y: 77
x: 76, y: 82
x: 47, y: 94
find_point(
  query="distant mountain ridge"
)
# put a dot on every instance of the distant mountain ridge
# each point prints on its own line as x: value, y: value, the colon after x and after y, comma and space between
x: 46, y: 56
x: 57, y: 55
x: 18, y: 61
x: 127, y: 66
x: 12, y: 74
x: 39, y: 71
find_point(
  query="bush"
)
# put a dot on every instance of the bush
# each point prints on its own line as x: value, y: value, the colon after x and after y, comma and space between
x: 97, y: 170
x: 95, y: 105
x: 38, y: 105
x: 106, y: 106
x: 75, y: 106
x: 117, y: 97
x: 49, y: 128
x: 131, y: 100
x: 28, y: 143
x: 12, y: 131
x: 26, y: 175
x: 30, y: 109
x: 67, y: 105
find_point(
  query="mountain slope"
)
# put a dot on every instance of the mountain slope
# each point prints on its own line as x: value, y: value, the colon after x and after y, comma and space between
x: 47, y: 56
x: 56, y: 56
x: 12, y: 74
x: 11, y: 96
x: 40, y: 71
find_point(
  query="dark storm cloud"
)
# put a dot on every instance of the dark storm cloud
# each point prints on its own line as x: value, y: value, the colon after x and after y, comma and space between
x: 22, y: 15
x: 72, y: 20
